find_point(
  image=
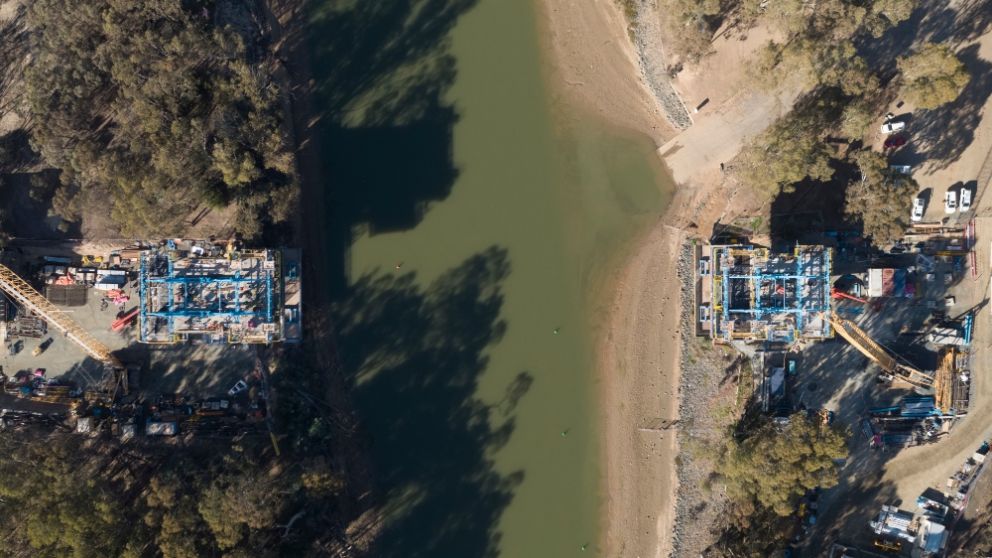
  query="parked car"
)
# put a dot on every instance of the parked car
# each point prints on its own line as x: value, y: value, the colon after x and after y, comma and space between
x: 950, y: 202
x: 902, y: 169
x: 238, y: 388
x: 918, y: 209
x: 893, y: 126
x: 965, y: 200
x: 894, y: 142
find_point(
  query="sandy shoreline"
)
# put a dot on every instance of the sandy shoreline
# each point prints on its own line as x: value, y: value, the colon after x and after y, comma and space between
x: 639, y: 363
x: 595, y: 68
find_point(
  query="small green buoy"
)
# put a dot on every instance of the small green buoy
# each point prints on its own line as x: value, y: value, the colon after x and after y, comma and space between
x: 564, y: 433
x: 556, y: 330
x: 583, y: 547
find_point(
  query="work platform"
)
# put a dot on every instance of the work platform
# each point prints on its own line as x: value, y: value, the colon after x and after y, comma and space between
x: 207, y: 293
x: 749, y: 293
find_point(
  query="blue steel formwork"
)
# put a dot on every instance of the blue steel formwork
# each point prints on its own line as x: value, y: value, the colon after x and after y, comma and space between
x: 210, y: 304
x: 767, y: 279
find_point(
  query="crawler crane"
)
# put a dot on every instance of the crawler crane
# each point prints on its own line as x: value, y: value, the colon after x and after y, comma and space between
x: 878, y: 354
x: 26, y: 295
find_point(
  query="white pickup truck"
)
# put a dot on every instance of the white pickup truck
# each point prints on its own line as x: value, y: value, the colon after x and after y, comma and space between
x: 965, y: 204
x: 892, y: 126
x: 918, y: 207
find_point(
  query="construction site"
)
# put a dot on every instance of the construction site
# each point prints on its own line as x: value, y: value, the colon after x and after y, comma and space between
x: 144, y: 334
x: 882, y: 345
x: 750, y: 294
x: 200, y: 294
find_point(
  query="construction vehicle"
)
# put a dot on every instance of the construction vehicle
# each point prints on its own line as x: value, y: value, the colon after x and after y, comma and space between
x: 887, y: 546
x: 892, y: 368
x: 42, y: 347
x: 29, y: 298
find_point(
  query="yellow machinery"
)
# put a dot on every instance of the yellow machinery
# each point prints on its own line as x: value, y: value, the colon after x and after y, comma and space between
x: 26, y: 295
x: 878, y: 354
x: 943, y: 380
x: 887, y: 546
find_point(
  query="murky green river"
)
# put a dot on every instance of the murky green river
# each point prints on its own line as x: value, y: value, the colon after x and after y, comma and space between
x: 476, y: 224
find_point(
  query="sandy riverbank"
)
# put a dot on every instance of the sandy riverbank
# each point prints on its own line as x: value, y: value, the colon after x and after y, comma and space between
x: 594, y: 68
x: 639, y: 363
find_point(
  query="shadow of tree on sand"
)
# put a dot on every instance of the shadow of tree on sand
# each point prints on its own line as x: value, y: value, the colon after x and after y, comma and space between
x: 414, y: 358
x: 951, y: 128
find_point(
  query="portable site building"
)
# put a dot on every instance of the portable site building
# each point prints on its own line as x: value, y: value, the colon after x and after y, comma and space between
x: 894, y: 522
x: 889, y: 282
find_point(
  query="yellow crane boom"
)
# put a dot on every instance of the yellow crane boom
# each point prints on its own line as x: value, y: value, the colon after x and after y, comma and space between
x: 22, y: 292
x: 943, y: 385
x: 878, y: 354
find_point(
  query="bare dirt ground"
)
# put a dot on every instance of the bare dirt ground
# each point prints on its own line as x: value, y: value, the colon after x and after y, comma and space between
x: 950, y: 148
x: 732, y: 112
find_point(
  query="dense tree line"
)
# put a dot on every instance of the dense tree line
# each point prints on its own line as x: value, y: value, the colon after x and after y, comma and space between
x: 791, y: 149
x: 932, y: 76
x: 765, y: 473
x: 65, y: 494
x: 692, y: 23
x: 152, y: 109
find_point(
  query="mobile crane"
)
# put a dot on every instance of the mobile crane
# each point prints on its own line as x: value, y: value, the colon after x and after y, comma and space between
x: 26, y: 295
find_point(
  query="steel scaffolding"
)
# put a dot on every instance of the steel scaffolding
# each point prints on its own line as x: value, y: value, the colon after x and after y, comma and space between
x: 229, y: 299
x: 759, y: 295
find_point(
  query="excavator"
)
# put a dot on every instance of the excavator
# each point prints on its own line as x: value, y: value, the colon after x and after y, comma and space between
x: 28, y: 297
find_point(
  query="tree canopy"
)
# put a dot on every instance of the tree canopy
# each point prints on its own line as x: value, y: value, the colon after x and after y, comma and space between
x: 932, y: 76
x: 63, y: 497
x: 52, y: 505
x: 819, y: 45
x: 776, y: 465
x: 882, y: 199
x: 690, y: 26
x: 789, y: 151
x: 157, y: 108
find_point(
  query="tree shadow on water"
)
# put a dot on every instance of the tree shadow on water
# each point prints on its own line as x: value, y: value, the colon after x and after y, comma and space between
x: 414, y: 357
x: 411, y: 356
x: 382, y: 70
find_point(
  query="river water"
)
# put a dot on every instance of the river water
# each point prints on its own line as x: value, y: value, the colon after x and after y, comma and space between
x: 477, y: 224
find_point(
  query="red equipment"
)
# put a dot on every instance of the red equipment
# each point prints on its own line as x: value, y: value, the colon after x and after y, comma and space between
x: 123, y: 321
x: 834, y: 293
